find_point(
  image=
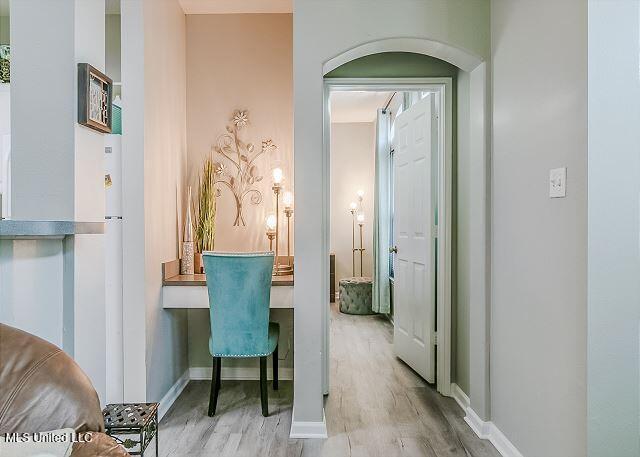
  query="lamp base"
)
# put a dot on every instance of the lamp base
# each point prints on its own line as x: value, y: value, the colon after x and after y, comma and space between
x: 282, y: 270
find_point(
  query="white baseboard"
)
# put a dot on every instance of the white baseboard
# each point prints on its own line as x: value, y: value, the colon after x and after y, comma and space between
x: 485, y: 430
x: 172, y: 394
x: 460, y: 397
x: 302, y: 429
x: 502, y: 443
x: 481, y: 428
x: 238, y: 373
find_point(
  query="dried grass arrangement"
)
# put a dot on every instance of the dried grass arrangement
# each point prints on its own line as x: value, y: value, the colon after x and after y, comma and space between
x: 205, y: 208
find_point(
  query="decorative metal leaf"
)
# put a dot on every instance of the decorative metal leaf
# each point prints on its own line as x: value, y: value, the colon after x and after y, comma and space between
x: 218, y: 168
x: 235, y: 169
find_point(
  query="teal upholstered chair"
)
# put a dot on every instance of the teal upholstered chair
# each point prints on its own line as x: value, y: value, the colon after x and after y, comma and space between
x: 239, y: 286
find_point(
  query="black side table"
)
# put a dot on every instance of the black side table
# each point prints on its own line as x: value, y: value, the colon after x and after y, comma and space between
x: 139, y: 419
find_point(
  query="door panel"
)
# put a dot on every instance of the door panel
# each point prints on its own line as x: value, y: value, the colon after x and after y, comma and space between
x: 414, y: 265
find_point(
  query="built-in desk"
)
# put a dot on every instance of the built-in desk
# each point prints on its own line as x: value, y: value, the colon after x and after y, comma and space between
x: 190, y: 291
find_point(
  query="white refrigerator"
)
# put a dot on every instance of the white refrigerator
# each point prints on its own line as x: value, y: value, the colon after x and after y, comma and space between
x: 113, y: 269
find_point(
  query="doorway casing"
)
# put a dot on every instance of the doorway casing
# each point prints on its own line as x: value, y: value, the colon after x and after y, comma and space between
x: 444, y: 87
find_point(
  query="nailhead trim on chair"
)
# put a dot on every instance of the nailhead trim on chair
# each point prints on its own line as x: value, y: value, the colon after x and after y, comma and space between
x: 242, y: 356
x: 238, y: 254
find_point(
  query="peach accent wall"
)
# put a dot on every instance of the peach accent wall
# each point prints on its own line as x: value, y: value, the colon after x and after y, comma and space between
x: 352, y: 167
x: 241, y: 61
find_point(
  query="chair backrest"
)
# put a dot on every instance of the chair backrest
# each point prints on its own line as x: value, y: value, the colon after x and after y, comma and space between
x: 239, y: 286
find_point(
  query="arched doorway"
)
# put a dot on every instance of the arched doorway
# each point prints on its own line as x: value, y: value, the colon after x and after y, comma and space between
x: 312, y: 265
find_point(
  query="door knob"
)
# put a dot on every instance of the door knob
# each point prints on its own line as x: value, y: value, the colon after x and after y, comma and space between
x: 393, y: 250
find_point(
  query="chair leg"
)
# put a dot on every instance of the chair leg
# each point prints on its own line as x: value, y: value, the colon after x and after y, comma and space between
x: 215, y: 385
x: 218, y: 374
x: 275, y: 368
x: 263, y: 386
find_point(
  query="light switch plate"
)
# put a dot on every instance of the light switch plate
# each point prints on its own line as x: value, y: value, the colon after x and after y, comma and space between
x: 558, y: 183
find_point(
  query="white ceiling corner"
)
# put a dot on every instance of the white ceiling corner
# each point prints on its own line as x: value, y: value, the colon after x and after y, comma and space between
x: 236, y: 6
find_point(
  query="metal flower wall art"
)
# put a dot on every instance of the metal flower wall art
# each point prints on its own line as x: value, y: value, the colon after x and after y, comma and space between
x: 236, y: 168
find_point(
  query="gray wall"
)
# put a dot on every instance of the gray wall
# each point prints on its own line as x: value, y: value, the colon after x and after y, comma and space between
x: 461, y: 267
x: 539, y: 256
x: 323, y: 30
x: 614, y: 258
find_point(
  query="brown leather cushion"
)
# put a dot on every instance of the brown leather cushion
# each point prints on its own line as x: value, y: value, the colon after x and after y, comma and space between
x: 42, y: 388
x: 100, y: 444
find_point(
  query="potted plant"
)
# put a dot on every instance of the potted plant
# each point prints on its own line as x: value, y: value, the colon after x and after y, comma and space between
x: 205, y: 213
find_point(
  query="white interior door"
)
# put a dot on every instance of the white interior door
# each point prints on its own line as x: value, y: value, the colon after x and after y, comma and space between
x: 414, y: 262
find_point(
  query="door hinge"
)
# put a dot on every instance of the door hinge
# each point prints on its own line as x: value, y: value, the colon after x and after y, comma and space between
x: 434, y: 230
x: 434, y: 338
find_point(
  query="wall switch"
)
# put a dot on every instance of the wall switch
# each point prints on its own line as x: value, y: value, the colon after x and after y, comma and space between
x: 558, y: 183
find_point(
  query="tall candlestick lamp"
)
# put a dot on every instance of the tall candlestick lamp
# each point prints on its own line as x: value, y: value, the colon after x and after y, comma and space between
x: 357, y: 215
x: 279, y: 268
x: 271, y: 223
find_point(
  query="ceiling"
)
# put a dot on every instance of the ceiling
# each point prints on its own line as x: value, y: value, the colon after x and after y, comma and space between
x: 111, y: 7
x: 236, y: 6
x: 357, y: 106
x: 204, y: 6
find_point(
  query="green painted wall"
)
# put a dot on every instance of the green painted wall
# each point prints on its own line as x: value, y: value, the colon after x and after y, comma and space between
x: 411, y: 65
x: 4, y: 29
x: 395, y: 65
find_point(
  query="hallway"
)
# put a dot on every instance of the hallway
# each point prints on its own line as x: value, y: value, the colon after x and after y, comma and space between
x: 377, y: 407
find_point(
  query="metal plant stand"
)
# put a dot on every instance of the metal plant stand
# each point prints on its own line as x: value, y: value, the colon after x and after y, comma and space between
x: 141, y: 419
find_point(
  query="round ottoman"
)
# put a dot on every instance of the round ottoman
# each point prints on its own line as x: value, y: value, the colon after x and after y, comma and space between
x: 355, y: 295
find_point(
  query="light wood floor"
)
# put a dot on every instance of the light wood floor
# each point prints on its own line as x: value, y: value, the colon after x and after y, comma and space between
x: 377, y: 407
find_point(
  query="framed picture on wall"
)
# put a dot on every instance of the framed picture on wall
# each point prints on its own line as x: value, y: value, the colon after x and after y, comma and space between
x: 95, y: 90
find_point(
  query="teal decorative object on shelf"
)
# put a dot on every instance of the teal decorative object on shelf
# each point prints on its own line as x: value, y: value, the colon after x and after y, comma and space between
x: 5, y: 63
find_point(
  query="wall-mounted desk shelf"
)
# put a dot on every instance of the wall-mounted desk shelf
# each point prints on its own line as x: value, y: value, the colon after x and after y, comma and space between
x: 190, y: 291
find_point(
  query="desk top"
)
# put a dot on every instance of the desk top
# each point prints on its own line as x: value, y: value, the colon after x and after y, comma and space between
x: 200, y: 280
x: 171, y: 277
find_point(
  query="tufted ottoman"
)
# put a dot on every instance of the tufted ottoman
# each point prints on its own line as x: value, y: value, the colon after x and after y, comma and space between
x: 355, y: 295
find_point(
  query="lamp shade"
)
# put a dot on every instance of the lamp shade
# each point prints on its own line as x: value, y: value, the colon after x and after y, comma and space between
x: 287, y: 199
x: 277, y: 175
x: 271, y: 222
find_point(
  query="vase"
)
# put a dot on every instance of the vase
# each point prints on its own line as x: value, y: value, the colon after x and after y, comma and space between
x: 186, y: 265
x: 198, y: 265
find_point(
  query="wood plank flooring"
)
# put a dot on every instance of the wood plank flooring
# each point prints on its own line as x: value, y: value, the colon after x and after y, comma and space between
x: 377, y: 407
